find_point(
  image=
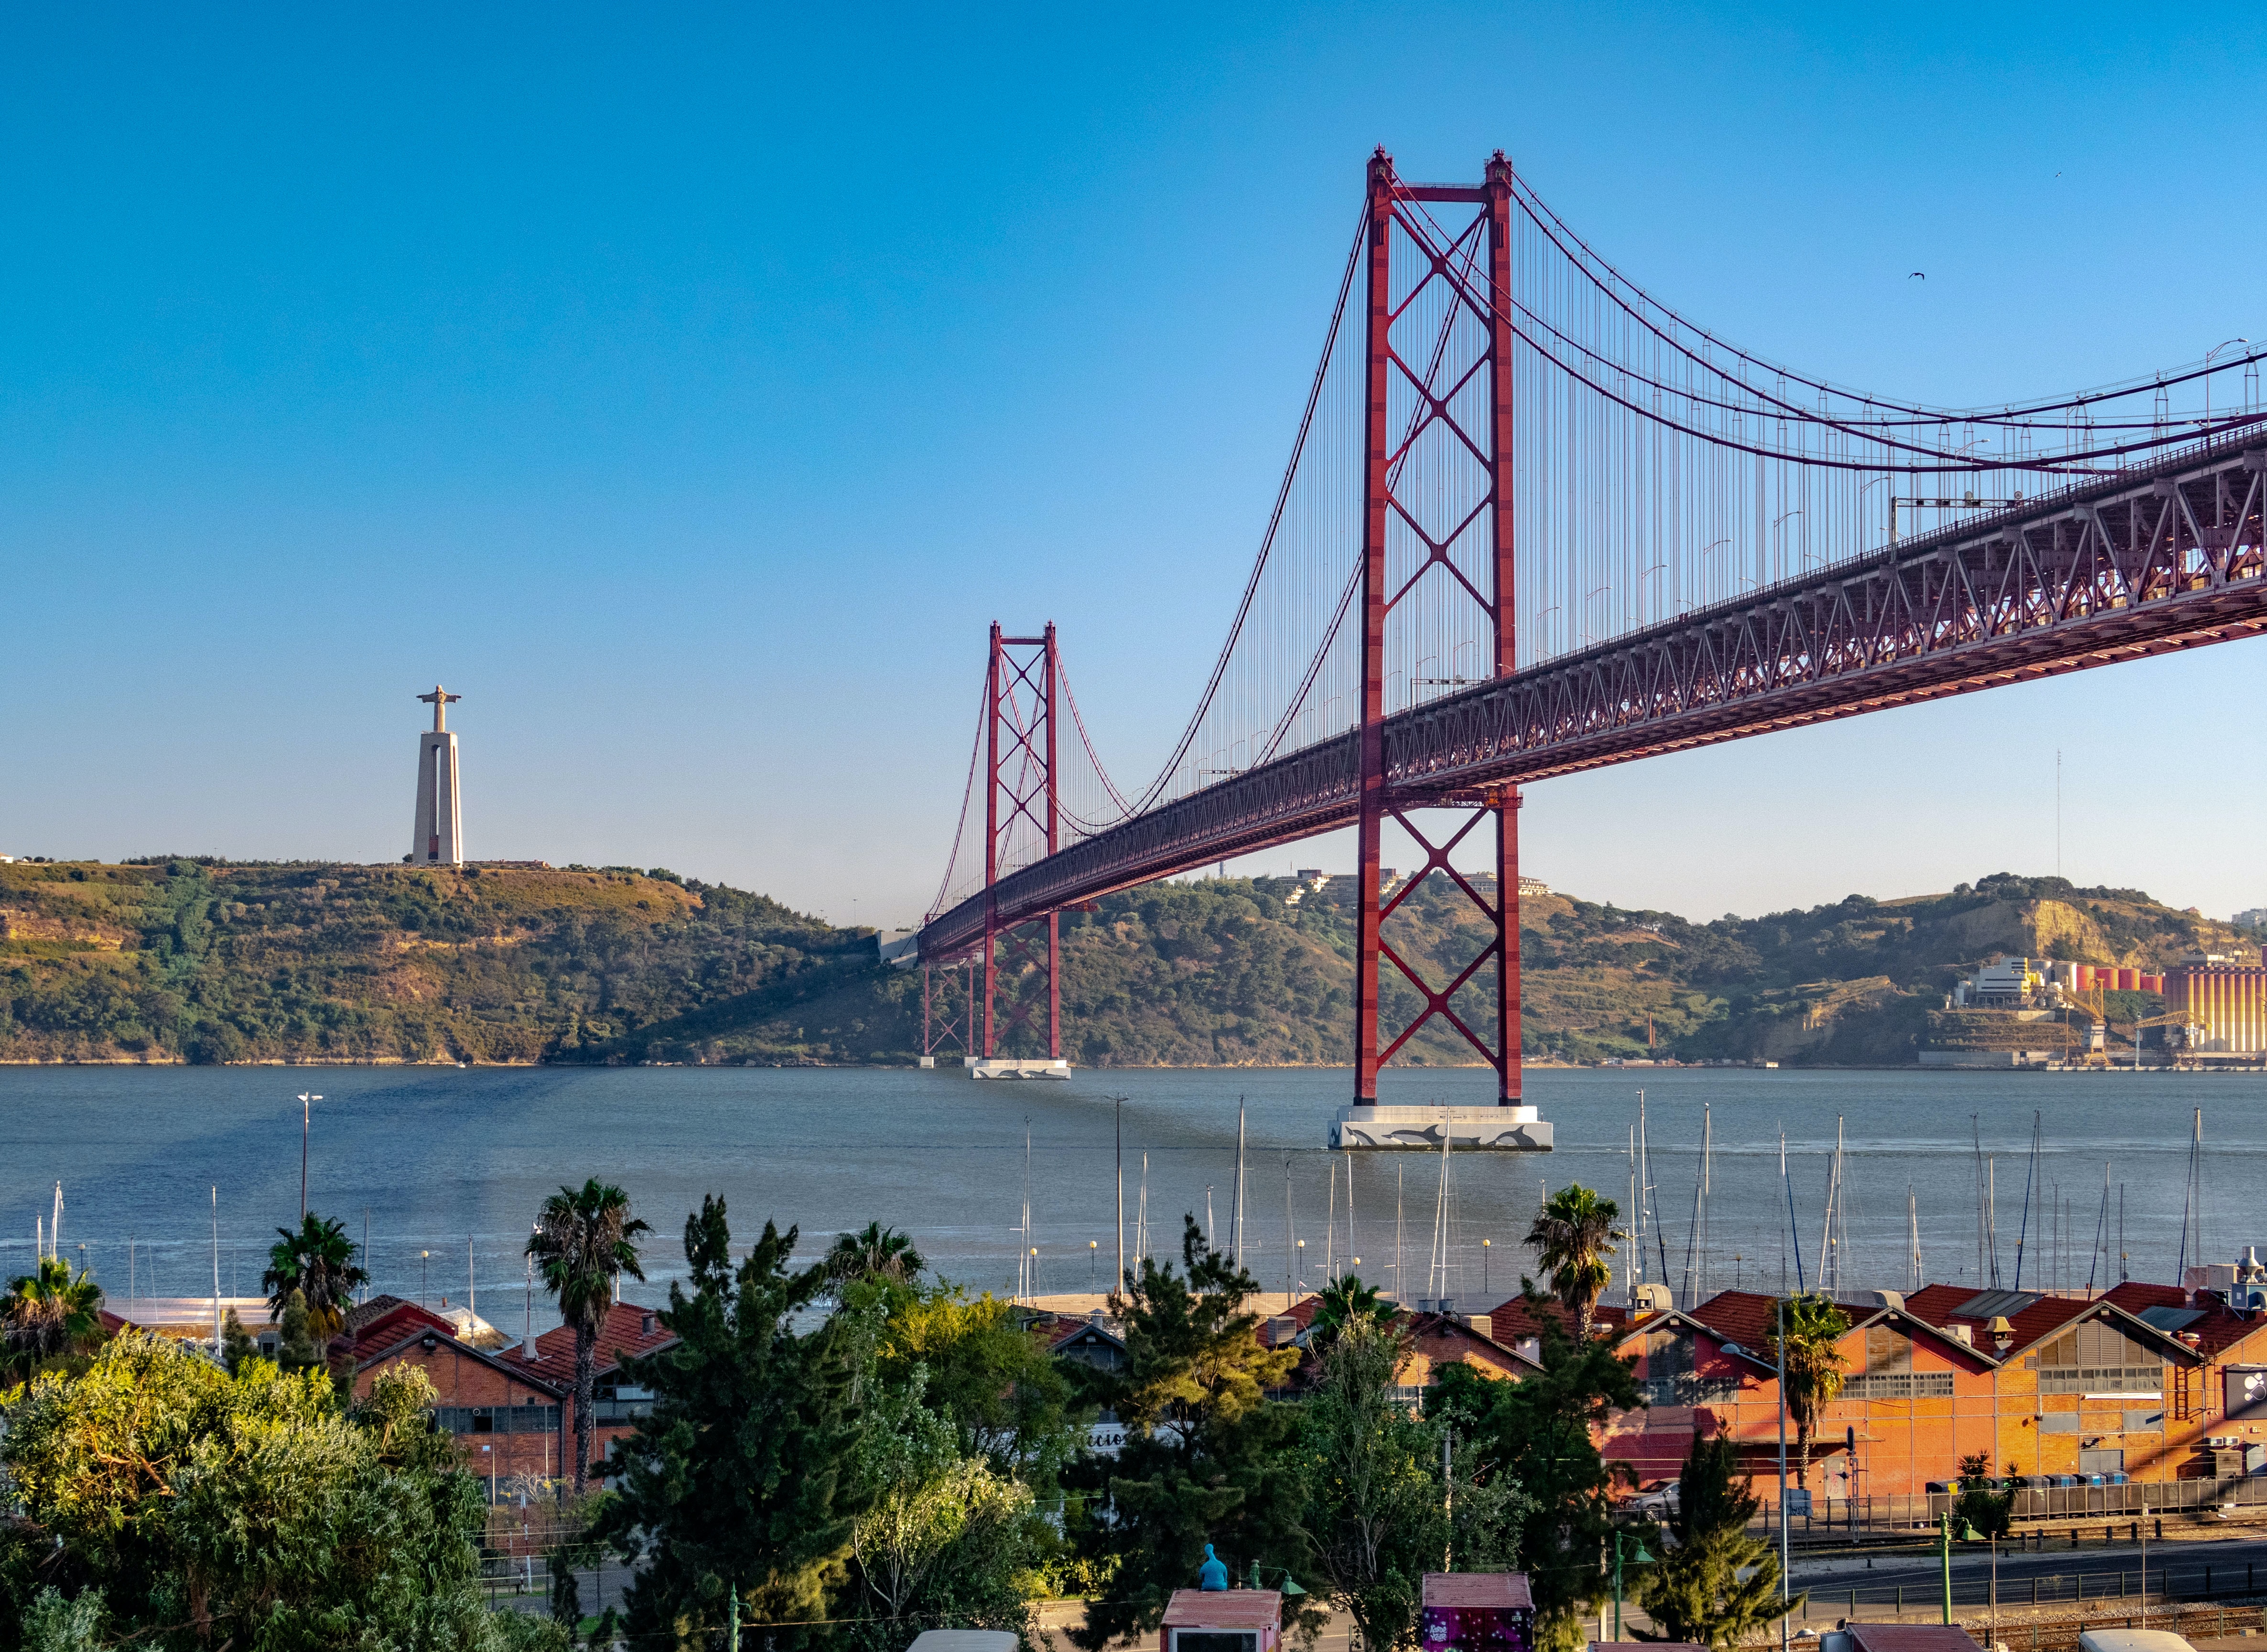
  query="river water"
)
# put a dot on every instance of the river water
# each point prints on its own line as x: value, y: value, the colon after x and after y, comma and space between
x: 429, y: 1161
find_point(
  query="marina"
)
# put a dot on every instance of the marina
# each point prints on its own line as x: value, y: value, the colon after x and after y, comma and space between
x: 430, y: 1160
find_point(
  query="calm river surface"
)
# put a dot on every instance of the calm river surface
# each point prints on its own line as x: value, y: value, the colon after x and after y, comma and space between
x: 434, y: 1160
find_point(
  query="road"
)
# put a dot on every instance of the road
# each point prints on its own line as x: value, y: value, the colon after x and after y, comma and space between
x: 2190, y: 1568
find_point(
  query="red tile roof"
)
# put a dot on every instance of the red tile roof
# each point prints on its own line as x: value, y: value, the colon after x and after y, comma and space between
x: 626, y: 1329
x: 1477, y: 1589
x: 383, y: 1321
x: 1523, y: 1316
x: 407, y: 1334
x: 1912, y: 1637
x: 2217, y: 1329
x: 1938, y: 1305
x: 1224, y: 1608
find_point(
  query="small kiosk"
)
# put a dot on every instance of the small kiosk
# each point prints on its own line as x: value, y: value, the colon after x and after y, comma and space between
x: 1476, y: 1611
x: 1225, y: 1620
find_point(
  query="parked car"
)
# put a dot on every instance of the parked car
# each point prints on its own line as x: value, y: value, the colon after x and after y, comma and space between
x: 1659, y: 1504
x: 2064, y: 1481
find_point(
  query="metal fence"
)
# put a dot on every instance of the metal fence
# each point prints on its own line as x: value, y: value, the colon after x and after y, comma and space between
x: 1903, y: 1512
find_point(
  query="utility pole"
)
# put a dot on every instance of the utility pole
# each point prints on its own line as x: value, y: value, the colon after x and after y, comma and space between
x: 1449, y: 1500
x: 1118, y: 1282
x: 1780, y: 1341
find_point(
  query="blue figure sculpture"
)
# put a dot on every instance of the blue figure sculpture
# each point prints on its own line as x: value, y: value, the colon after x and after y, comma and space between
x: 1212, y: 1574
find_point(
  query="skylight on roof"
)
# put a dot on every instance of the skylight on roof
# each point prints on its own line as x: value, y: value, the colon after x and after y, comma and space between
x: 2169, y: 1320
x: 1992, y: 1304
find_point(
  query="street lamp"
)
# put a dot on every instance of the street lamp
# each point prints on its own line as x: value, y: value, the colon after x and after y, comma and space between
x: 1968, y: 1534
x: 307, y: 1117
x: 422, y: 1256
x: 2144, y: 1569
x: 1485, y: 1292
x: 1638, y: 1559
x: 1093, y: 1256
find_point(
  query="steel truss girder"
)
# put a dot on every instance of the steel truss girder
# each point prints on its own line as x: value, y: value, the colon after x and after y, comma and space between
x: 2159, y: 560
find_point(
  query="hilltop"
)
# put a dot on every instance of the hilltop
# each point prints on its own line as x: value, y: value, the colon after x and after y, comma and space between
x: 197, y: 960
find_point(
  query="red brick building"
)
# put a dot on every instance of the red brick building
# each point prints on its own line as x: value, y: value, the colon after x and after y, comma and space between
x: 508, y: 1418
x: 2148, y: 1381
x: 628, y: 1329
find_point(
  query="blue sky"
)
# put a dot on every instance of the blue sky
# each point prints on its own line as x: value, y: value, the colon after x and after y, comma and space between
x: 690, y: 389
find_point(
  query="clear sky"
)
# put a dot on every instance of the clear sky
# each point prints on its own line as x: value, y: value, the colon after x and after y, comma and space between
x: 688, y: 388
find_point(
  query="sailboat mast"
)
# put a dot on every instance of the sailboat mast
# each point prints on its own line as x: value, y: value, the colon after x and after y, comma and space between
x: 1236, y: 1204
x: 2030, y: 1177
x: 1793, y: 1234
x: 1633, y: 1265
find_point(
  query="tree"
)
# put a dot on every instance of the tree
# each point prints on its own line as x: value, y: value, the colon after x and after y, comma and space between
x: 1374, y: 1512
x: 879, y: 1253
x: 198, y: 1509
x: 947, y: 1536
x: 584, y: 1239
x: 745, y: 1476
x: 48, y: 1313
x: 236, y: 1344
x: 1814, y: 1364
x: 1572, y: 1235
x: 1694, y: 1591
x: 318, y: 1261
x: 298, y: 1350
x: 1205, y: 1460
x: 1342, y: 1302
x: 1993, y: 1513
x: 984, y: 1374
x: 1538, y: 1432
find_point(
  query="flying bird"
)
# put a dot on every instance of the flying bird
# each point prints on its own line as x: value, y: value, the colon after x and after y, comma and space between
x: 1918, y: 275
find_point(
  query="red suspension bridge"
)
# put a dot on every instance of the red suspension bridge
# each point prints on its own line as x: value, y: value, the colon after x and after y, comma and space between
x: 1535, y: 522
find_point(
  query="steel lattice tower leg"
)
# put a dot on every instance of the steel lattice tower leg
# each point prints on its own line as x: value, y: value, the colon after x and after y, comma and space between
x: 1378, y: 798
x: 1022, y: 682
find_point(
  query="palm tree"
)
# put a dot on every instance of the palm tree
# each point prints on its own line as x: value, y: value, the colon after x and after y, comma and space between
x: 879, y: 1253
x: 318, y: 1261
x: 47, y: 1312
x: 581, y: 1245
x: 1572, y: 1235
x: 1342, y: 1302
x: 1814, y: 1326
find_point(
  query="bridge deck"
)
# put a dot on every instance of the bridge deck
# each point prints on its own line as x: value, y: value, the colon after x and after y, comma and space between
x: 2150, y: 561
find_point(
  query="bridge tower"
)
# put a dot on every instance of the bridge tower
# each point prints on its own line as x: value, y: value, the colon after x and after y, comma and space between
x: 1020, y: 688
x: 1415, y: 383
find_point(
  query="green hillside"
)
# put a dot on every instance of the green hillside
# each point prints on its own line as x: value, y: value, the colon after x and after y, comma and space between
x: 201, y: 961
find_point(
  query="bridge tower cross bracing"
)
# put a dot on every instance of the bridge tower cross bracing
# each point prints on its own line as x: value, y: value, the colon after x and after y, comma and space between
x: 1022, y: 684
x: 942, y: 1024
x: 1390, y: 200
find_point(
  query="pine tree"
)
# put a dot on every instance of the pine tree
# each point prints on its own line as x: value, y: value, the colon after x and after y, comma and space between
x: 1205, y: 1460
x: 300, y: 1350
x: 236, y: 1343
x: 1694, y: 1592
x: 742, y: 1478
x: 1537, y: 1433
